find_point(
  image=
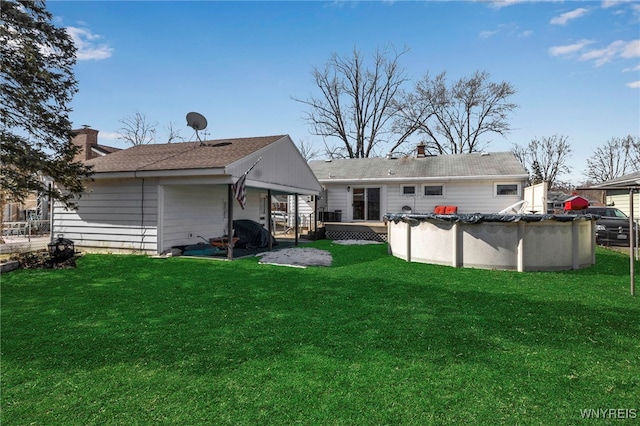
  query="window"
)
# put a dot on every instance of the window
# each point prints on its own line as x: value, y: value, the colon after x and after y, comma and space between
x: 409, y: 190
x: 433, y: 191
x: 507, y: 189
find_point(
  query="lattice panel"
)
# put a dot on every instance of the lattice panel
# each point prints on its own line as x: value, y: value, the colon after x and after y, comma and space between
x: 355, y: 235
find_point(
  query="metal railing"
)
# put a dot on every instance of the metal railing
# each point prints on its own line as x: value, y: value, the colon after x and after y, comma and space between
x: 25, y: 228
x: 24, y: 236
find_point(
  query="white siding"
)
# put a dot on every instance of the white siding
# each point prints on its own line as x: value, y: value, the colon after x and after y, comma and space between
x: 192, y: 210
x: 282, y: 165
x: 201, y: 210
x: 112, y: 216
x: 305, y: 208
x: 621, y: 201
x: 469, y: 197
x: 337, y: 199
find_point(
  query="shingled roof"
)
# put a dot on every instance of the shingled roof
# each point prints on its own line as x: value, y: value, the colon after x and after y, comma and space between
x: 209, y: 154
x: 629, y: 180
x: 497, y: 164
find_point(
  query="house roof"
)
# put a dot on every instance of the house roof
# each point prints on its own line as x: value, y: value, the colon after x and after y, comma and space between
x: 181, y: 156
x: 628, y: 180
x: 104, y: 149
x: 454, y: 166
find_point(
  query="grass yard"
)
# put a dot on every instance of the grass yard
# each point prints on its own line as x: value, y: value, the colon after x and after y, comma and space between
x: 131, y: 340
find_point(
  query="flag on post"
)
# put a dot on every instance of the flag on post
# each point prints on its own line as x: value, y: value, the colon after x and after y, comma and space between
x: 240, y: 188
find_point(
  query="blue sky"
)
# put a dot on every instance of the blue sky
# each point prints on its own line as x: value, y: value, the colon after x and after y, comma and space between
x: 574, y: 64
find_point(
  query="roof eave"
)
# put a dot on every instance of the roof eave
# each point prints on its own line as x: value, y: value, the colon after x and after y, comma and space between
x: 216, y: 171
x: 423, y: 179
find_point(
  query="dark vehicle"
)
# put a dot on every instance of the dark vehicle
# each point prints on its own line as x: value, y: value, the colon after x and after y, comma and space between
x: 613, y: 226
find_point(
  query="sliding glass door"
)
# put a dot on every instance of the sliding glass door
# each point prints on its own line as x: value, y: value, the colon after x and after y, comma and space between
x: 366, y: 204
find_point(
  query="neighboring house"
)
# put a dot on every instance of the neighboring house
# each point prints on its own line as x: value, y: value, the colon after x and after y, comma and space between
x: 36, y: 205
x: 87, y: 139
x: 365, y: 189
x: 619, y: 196
x: 150, y: 198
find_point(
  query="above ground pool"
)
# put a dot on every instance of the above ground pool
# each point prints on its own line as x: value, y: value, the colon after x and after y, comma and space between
x: 530, y: 242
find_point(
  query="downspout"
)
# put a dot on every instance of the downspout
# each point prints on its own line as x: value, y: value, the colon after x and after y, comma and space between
x: 631, y: 246
x: 142, y: 228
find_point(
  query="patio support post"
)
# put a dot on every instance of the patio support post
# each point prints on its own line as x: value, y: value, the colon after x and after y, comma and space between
x: 230, y: 222
x: 269, y: 220
x: 295, y: 219
x: 315, y: 217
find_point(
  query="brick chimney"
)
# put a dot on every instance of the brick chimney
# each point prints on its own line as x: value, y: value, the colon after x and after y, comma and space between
x: 85, y: 138
x: 421, y: 150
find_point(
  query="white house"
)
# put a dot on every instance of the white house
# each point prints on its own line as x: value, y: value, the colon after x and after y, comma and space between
x: 150, y: 198
x: 365, y: 189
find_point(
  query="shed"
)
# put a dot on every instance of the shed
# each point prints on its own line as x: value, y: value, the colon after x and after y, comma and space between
x: 576, y: 202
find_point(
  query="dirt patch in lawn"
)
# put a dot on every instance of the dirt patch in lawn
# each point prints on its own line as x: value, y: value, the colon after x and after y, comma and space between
x: 301, y: 257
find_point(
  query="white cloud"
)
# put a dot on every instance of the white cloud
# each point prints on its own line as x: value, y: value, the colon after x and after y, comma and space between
x: 606, y: 4
x: 509, y: 30
x: 568, y: 16
x: 87, y: 44
x: 504, y: 3
x: 602, y: 56
x: 569, y: 48
x: 487, y: 34
x: 634, y: 84
x: 631, y: 69
x: 112, y: 136
x: 616, y: 49
x: 631, y: 49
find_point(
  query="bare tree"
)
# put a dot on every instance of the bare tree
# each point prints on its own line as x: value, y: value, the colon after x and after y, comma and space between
x: 307, y: 150
x: 457, y: 118
x: 546, y: 158
x: 173, y: 134
x: 356, y: 104
x: 609, y: 161
x: 136, y: 130
x: 633, y: 152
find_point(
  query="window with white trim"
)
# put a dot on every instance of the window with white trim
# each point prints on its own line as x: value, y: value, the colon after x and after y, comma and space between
x: 503, y: 189
x: 433, y: 190
x: 409, y: 191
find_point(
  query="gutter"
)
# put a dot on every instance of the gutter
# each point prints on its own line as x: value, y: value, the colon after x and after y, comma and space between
x: 423, y: 179
x: 218, y: 171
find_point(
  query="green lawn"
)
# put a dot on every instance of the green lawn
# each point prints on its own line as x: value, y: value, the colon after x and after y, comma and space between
x: 130, y: 340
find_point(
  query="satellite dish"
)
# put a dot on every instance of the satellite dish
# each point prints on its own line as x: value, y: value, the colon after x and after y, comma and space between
x: 197, y: 122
